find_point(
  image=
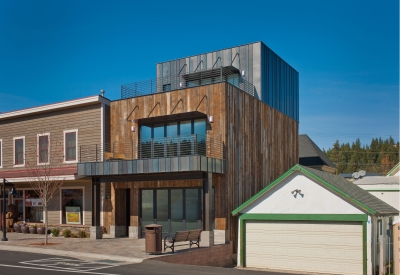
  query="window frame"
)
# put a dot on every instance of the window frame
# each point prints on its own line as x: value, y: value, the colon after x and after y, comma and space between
x: 65, y: 132
x: 1, y: 153
x: 83, y: 202
x: 48, y: 149
x: 23, y: 155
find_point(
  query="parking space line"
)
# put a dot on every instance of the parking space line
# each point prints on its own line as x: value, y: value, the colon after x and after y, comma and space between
x: 59, y: 270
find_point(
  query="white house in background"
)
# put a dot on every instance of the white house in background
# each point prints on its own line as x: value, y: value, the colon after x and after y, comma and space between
x: 387, y: 188
x: 313, y: 221
x: 395, y: 171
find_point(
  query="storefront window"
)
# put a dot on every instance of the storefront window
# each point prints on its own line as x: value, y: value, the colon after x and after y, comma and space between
x: 33, y: 207
x: 72, y: 206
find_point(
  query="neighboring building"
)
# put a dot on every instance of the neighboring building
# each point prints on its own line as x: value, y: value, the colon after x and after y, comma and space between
x: 312, y: 221
x: 195, y: 143
x: 63, y: 126
x: 387, y: 188
x: 357, y: 176
x: 395, y: 171
x: 311, y: 156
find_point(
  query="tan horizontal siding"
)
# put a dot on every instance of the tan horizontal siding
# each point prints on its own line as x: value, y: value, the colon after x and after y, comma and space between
x: 86, y: 119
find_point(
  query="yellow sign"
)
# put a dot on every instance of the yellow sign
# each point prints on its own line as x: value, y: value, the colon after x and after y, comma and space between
x: 73, y: 214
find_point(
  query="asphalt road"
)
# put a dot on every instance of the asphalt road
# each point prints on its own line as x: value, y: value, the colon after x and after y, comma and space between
x: 22, y: 263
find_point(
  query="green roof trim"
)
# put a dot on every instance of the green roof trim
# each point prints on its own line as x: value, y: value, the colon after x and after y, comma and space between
x: 337, y: 185
x: 264, y: 190
x: 340, y: 192
x: 392, y: 170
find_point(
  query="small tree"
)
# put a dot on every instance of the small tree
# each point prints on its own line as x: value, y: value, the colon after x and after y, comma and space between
x: 43, y: 165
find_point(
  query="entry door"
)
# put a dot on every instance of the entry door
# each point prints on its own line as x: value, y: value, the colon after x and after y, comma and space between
x: 175, y: 209
x: 19, y: 203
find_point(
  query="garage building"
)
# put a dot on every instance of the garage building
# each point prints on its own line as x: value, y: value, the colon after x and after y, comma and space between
x: 311, y: 221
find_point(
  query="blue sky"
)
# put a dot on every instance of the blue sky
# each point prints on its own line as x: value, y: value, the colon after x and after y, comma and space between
x: 346, y: 52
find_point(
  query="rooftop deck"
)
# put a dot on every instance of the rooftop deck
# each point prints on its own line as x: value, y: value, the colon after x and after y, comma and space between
x: 187, y: 80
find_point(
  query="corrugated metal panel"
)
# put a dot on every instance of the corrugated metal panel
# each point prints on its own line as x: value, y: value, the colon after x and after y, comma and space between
x: 276, y: 83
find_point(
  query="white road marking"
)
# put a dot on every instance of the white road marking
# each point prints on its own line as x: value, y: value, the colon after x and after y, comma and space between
x: 69, y: 264
x: 59, y: 270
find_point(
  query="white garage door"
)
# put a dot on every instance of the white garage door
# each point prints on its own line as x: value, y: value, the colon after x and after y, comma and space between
x: 334, y: 248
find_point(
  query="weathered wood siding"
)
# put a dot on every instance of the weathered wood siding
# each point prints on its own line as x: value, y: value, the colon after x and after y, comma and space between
x: 86, y: 119
x: 260, y: 143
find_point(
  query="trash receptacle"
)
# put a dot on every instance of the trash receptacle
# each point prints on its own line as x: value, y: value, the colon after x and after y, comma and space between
x: 153, y: 238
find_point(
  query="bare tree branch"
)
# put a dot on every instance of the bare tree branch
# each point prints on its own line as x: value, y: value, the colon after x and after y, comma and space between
x: 44, y: 172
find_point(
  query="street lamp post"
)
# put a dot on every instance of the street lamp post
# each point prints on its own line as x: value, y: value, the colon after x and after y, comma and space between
x: 13, y: 192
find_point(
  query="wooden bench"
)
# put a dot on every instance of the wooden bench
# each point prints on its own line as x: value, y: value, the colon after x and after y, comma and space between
x: 191, y: 236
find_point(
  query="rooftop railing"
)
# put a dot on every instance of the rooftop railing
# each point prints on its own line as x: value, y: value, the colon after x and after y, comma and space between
x: 188, y: 145
x: 200, y: 78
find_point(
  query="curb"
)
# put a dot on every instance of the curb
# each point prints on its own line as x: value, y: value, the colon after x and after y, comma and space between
x: 72, y: 254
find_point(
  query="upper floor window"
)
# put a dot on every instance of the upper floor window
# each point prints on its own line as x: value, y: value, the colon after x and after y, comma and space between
x: 174, y: 129
x: 1, y: 153
x: 19, y: 151
x: 181, y: 138
x: 70, y: 145
x: 43, y: 148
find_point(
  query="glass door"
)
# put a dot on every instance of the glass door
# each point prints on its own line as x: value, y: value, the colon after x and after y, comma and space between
x: 162, y: 210
x: 19, y: 203
x: 147, y: 209
x: 175, y: 209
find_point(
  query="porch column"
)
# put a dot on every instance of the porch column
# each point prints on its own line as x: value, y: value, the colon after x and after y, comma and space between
x: 207, y: 236
x: 95, y: 229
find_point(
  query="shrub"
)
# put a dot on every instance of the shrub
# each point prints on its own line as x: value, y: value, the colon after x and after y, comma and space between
x: 55, y: 232
x: 82, y: 234
x: 74, y: 235
x: 66, y: 233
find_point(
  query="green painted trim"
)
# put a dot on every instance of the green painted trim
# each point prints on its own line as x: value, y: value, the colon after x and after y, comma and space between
x: 242, y: 259
x: 363, y: 206
x: 297, y: 167
x: 306, y: 217
x: 382, y: 190
x: 391, y: 170
x: 364, y: 236
x: 264, y: 190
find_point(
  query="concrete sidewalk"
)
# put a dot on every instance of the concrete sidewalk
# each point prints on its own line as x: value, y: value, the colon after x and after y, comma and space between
x: 121, y: 249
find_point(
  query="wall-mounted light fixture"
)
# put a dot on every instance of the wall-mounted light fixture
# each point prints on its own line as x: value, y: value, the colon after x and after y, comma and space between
x: 181, y: 84
x: 295, y: 192
x: 211, y: 119
x: 133, y: 128
x: 243, y: 73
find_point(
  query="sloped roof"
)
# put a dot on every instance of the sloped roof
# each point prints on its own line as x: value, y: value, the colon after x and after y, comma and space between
x: 394, y: 170
x: 310, y: 154
x: 393, y: 180
x: 336, y: 184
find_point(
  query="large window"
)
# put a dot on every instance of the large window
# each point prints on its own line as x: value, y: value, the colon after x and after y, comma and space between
x: 71, y: 145
x: 19, y: 151
x: 43, y: 148
x: 33, y: 207
x: 175, y: 209
x: 72, y: 205
x: 181, y: 138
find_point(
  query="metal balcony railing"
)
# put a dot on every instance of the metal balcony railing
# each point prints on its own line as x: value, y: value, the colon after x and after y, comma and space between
x: 187, y: 80
x: 189, y: 145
